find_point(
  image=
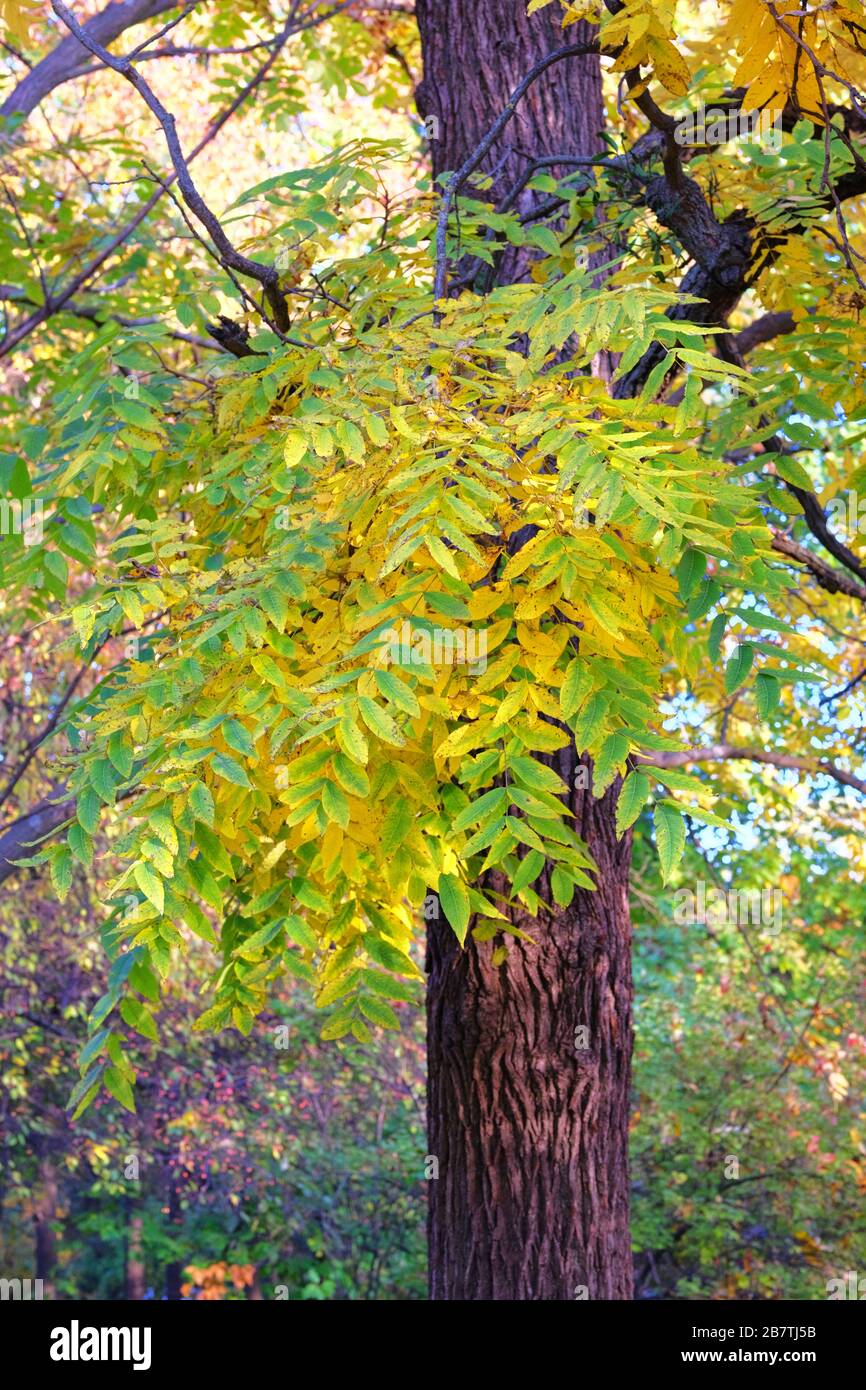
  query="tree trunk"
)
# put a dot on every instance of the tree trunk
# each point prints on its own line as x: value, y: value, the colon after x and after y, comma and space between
x: 528, y: 1080
x: 43, y: 1217
x: 475, y: 52
x: 136, y: 1279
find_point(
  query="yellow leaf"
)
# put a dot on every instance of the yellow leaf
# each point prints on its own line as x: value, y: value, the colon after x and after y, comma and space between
x: 670, y: 66
x: 294, y: 448
x: 510, y: 705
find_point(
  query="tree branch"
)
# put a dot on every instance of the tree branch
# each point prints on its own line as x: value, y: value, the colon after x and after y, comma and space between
x: 834, y: 581
x: 62, y: 297
x: 728, y: 752
x: 763, y: 330
x: 70, y: 57
x: 267, y: 276
x: 18, y: 837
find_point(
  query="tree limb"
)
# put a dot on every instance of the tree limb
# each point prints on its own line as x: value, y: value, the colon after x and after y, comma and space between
x: 471, y: 163
x: 834, y: 581
x: 61, y: 298
x: 763, y: 330
x: 267, y: 276
x: 71, y: 56
x: 728, y: 752
x: 18, y: 837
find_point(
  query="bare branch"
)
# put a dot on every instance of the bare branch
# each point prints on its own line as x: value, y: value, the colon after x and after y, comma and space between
x: 70, y: 57
x: 763, y: 330
x: 728, y: 752
x: 267, y: 276
x: 834, y: 581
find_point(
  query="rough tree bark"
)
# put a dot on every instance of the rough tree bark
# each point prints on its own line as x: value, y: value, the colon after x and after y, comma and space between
x: 528, y: 1118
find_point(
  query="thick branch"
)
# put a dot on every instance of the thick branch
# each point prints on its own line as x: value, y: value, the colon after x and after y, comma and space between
x: 71, y: 57
x: 728, y: 752
x: 834, y: 581
x: 18, y: 838
x: 763, y: 330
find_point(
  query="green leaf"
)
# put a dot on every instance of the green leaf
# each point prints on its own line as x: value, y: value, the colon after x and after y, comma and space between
x: 690, y: 571
x: 142, y: 978
x: 792, y: 471
x: 232, y: 772
x: 150, y: 884
x: 238, y: 738
x: 353, y: 741
x: 102, y: 779
x: 386, y: 954
x: 61, y: 872
x: 335, y: 804
x: 197, y: 922
x: 705, y: 596
x: 379, y: 722
x: 398, y: 691
x: 545, y: 239
x: 300, y: 932
x: 538, y: 777
x: 679, y: 781
x: 575, y: 687
x: 213, y: 850
x: 119, y: 1088
x: 670, y: 834
x: 562, y: 886
x: 768, y: 692
x: 92, y: 1049
x: 528, y: 870
x: 606, y: 766
x: 201, y: 802
x: 309, y: 896
x: 337, y: 1026
x: 389, y: 986
x: 212, y: 1019
x: 484, y: 809
x: 85, y: 1087
x: 352, y: 777
x: 455, y: 903
x: 81, y: 844
x: 396, y: 826
x: 738, y: 667
x: 631, y: 801
x: 88, y: 810
x: 590, y: 722
x: 133, y: 1012
x: 120, y: 753
x: 378, y: 1011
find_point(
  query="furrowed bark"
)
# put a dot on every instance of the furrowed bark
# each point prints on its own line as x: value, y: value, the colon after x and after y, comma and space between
x: 528, y: 1095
